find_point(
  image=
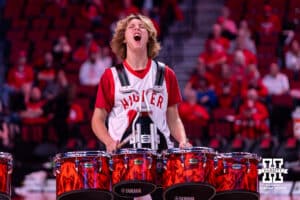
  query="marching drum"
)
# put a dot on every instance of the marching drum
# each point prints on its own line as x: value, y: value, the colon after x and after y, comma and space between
x: 82, y: 175
x: 236, y: 176
x: 187, y: 173
x: 134, y: 172
x: 5, y: 175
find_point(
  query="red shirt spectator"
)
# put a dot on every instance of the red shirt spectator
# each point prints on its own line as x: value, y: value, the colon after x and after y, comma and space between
x: 82, y: 52
x: 222, y: 43
x: 20, y: 74
x: 269, y: 23
x: 47, y: 71
x: 213, y: 57
x: 76, y: 114
x: 227, y: 87
x: 193, y: 115
x: 251, y: 119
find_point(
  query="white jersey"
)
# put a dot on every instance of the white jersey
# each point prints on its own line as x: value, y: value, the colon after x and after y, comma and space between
x: 127, y: 104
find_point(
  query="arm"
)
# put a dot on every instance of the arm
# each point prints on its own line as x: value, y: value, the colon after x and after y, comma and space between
x: 176, y: 126
x: 100, y: 130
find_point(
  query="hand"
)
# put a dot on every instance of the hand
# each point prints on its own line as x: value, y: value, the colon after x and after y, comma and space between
x: 112, y: 146
x: 185, y: 144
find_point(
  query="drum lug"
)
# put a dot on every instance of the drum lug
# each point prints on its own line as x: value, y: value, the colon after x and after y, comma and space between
x: 182, y: 158
x: 56, y: 168
x: 76, y: 164
x: 225, y: 166
x: 126, y: 161
x: 10, y: 167
x: 248, y: 166
x: 111, y: 165
x: 149, y: 158
x: 204, y: 160
x: 99, y: 165
x: 164, y: 162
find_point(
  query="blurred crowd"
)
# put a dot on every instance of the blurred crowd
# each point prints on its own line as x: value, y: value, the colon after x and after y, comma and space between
x: 244, y: 88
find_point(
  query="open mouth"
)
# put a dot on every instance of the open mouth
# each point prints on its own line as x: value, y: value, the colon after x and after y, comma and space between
x: 137, y: 37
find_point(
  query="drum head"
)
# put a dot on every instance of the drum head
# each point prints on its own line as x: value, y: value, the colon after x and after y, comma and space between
x: 4, y: 196
x: 196, y: 191
x: 88, y: 194
x: 236, y: 195
x: 130, y: 189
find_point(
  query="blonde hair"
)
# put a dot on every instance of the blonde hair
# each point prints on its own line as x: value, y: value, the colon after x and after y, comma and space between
x: 117, y: 43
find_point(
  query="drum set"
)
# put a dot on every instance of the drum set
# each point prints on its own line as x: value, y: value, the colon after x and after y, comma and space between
x: 182, y: 173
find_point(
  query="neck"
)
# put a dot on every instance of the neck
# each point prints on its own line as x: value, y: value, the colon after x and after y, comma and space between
x: 137, y: 60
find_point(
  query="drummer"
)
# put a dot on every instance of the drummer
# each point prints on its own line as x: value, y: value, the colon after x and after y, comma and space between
x: 140, y: 91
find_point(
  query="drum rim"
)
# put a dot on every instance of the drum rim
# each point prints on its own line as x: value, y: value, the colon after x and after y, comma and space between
x: 75, y: 154
x: 6, y: 155
x: 246, y: 155
x: 134, y: 151
x: 191, y: 149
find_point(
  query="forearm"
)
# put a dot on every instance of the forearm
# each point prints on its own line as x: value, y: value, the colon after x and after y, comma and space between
x: 177, y: 131
x: 175, y: 125
x: 99, y: 128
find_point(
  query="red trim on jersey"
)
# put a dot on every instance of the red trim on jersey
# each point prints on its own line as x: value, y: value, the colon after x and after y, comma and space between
x: 106, y: 91
x: 138, y: 73
x: 174, y: 96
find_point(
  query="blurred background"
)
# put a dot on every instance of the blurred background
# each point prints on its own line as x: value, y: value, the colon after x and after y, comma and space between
x: 237, y: 63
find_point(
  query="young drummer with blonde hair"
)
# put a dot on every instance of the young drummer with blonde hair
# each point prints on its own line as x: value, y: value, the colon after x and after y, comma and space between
x: 135, y: 42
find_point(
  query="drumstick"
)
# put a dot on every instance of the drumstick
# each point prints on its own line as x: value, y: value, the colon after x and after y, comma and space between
x: 125, y: 141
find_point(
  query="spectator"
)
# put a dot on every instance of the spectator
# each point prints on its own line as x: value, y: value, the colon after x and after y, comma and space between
x: 47, y: 70
x: 33, y: 113
x: 92, y: 69
x: 238, y: 65
x: 251, y: 121
x: 105, y: 56
x: 81, y: 53
x: 194, y: 116
x: 199, y: 74
x: 276, y: 82
x: 268, y: 23
x: 21, y: 74
x: 253, y: 80
x: 227, y: 88
x: 62, y: 50
x: 129, y: 8
x: 20, y: 77
x: 292, y: 57
x: 56, y: 86
x: 222, y: 43
x: 4, y: 135
x: 213, y: 57
x: 227, y: 24
x: 93, y: 11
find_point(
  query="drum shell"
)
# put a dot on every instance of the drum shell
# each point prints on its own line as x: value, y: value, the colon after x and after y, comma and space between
x: 134, y: 165
x: 236, y: 171
x: 195, y: 165
x: 6, y: 167
x: 82, y: 170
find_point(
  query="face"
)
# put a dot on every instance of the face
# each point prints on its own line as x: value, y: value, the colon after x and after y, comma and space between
x: 217, y: 30
x: 274, y: 69
x: 136, y: 35
x: 295, y: 45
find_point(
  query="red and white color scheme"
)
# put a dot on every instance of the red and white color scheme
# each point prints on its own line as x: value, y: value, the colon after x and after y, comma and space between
x: 122, y: 107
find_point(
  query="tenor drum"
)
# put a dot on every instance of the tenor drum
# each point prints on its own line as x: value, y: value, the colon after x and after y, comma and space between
x: 187, y: 173
x: 236, y: 176
x: 134, y: 172
x: 5, y: 175
x: 82, y: 175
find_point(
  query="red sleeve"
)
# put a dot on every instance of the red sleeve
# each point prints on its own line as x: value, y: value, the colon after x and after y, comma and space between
x: 174, y: 96
x: 106, y: 89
